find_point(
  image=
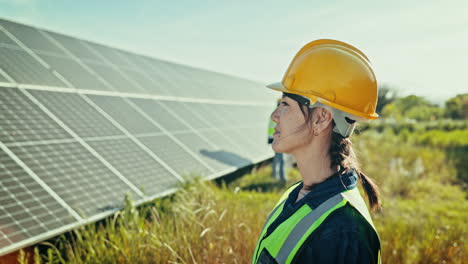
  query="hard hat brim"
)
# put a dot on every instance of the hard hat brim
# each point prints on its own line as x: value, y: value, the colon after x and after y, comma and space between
x: 277, y: 86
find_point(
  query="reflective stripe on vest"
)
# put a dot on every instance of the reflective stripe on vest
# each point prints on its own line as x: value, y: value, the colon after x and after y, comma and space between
x: 285, y: 241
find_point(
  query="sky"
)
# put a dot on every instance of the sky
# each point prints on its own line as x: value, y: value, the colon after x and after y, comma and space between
x: 417, y: 47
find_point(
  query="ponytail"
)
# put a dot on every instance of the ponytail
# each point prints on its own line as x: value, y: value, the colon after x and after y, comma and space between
x: 342, y: 154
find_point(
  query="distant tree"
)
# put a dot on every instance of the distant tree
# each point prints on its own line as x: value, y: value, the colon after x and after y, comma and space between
x: 386, y: 96
x: 457, y: 107
x: 412, y: 107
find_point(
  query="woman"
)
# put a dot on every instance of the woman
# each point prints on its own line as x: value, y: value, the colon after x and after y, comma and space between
x: 328, y: 86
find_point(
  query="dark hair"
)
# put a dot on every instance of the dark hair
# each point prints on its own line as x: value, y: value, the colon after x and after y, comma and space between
x: 342, y: 155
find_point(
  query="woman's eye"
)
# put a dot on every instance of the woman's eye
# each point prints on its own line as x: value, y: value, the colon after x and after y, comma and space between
x: 284, y: 103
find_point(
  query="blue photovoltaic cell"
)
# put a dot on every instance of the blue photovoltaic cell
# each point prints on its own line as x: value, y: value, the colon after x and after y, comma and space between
x: 152, y: 79
x: 4, y: 39
x: 76, y: 175
x: 3, y: 79
x: 30, y: 37
x: 212, y: 156
x: 114, y: 78
x: 22, y: 121
x: 73, y: 72
x: 229, y: 152
x: 175, y: 156
x: 185, y: 113
x: 77, y: 114
x: 124, y: 114
x: 136, y: 165
x: 160, y: 115
x: 110, y: 55
x: 25, y: 69
x: 26, y: 209
x: 75, y: 46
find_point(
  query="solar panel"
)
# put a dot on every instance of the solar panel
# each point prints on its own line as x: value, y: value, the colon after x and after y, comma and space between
x: 185, y: 114
x: 84, y: 124
x: 30, y: 36
x: 23, y: 68
x: 87, y: 185
x: 73, y: 72
x: 22, y: 121
x: 175, y: 156
x: 26, y: 210
x: 110, y: 55
x: 160, y: 115
x: 124, y: 114
x: 136, y: 165
x: 152, y: 79
x: 77, y: 114
x: 114, y: 78
x: 3, y: 79
x: 5, y: 40
x: 75, y: 46
x: 204, y: 149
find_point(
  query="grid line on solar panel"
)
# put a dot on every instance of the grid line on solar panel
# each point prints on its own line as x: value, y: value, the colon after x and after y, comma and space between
x: 245, y: 141
x: 88, y: 148
x: 110, y: 55
x: 114, y: 78
x: 74, y: 46
x: 213, y: 123
x: 76, y: 113
x: 2, y: 77
x: 142, y: 80
x: 174, y: 155
x: 175, y: 81
x: 160, y: 83
x: 135, y: 164
x: 24, y: 68
x: 159, y: 114
x: 116, y: 69
x: 177, y: 111
x: 171, y: 136
x: 76, y: 175
x: 92, y: 79
x: 75, y: 73
x: 207, y: 152
x: 5, y: 40
x: 139, y: 75
x: 185, y: 114
x: 27, y: 209
x: 124, y: 114
x: 30, y: 36
x: 40, y: 142
x: 227, y: 147
x: 21, y: 120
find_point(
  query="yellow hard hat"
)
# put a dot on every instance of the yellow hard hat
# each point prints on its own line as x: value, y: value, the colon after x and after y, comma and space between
x: 333, y: 73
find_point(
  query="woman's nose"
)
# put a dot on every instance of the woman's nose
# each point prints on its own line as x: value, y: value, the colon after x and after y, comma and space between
x: 274, y: 116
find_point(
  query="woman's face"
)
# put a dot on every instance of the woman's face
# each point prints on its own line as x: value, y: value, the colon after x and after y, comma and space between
x: 291, y: 131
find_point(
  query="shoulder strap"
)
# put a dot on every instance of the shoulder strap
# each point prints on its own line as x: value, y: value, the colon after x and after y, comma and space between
x: 355, y: 198
x: 312, y: 220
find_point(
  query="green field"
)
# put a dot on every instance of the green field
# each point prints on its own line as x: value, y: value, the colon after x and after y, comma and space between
x: 421, y: 172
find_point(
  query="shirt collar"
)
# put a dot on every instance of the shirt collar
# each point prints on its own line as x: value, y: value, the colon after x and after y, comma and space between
x: 333, y: 185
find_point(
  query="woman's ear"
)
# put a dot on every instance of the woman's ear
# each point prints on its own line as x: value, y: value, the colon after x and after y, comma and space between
x: 322, y: 119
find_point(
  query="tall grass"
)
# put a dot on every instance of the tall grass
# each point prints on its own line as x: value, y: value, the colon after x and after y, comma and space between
x: 422, y: 221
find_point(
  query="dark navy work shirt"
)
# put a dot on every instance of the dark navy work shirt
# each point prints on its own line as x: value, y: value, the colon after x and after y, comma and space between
x: 344, y: 237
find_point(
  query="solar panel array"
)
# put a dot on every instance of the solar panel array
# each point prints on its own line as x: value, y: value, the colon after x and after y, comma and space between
x: 83, y: 124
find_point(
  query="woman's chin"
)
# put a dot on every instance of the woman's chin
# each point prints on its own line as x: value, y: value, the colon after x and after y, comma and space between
x: 276, y: 146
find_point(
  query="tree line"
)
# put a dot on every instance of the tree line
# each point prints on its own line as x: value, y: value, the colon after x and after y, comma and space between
x: 417, y: 108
